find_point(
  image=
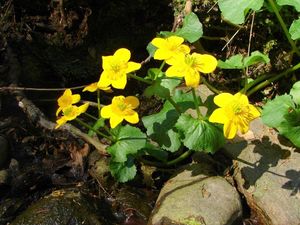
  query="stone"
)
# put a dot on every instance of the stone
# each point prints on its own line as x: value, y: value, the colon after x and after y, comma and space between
x: 196, y: 196
x: 267, y: 174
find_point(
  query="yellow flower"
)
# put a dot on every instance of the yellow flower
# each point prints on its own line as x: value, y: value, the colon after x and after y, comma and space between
x: 70, y: 113
x: 169, y: 48
x: 66, y: 100
x: 235, y: 113
x: 121, y: 108
x: 94, y: 86
x: 189, y: 66
x: 116, y: 68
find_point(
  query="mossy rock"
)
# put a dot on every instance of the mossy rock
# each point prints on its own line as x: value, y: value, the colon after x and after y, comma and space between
x: 61, y: 207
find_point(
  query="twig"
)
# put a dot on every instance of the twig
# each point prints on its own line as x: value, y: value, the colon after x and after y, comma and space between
x: 250, y: 39
x: 15, y: 88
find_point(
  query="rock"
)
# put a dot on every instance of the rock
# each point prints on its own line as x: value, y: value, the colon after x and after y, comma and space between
x: 267, y: 173
x: 196, y: 196
x: 61, y: 207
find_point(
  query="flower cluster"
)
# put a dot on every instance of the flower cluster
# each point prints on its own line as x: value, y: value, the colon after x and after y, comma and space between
x: 69, y: 111
x: 182, y: 63
x: 235, y: 113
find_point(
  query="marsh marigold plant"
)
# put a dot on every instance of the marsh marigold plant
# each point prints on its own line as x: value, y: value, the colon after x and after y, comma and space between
x: 121, y: 108
x: 116, y: 68
x: 66, y: 100
x: 235, y: 113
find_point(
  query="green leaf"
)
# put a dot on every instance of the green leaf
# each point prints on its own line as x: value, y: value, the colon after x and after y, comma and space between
x: 236, y: 10
x: 123, y: 171
x: 156, y: 152
x: 162, y: 87
x: 256, y: 57
x: 99, y: 123
x: 160, y: 126
x: 154, y: 73
x: 295, y: 29
x: 274, y: 111
x: 129, y: 141
x: 191, y: 29
x: 151, y: 49
x: 234, y: 62
x: 290, y: 127
x: 295, y: 3
x: 238, y: 62
x: 200, y: 135
x: 295, y: 93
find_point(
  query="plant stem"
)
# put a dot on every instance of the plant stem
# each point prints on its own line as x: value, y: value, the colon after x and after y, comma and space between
x: 272, y: 79
x: 176, y: 106
x: 98, y: 103
x: 162, y: 66
x: 210, y: 87
x: 91, y: 128
x: 139, y: 78
x: 91, y: 116
x: 196, y: 104
x: 285, y: 30
x: 168, y: 163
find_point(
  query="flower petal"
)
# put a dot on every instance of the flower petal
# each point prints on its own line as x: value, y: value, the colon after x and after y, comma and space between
x: 104, y: 80
x: 205, y: 63
x: 192, y: 78
x: 61, y: 121
x: 223, y: 99
x: 159, y: 42
x: 106, y: 62
x: 218, y: 116
x: 122, y: 54
x: 91, y: 88
x: 230, y: 129
x: 241, y: 99
x: 133, y: 101
x: 132, y: 66
x: 58, y: 111
x: 162, y: 54
x: 134, y: 118
x: 75, y: 98
x: 115, y: 120
x: 106, y: 112
x: 175, y: 40
x: 174, y: 71
x: 120, y: 83
x: 83, y: 108
x: 254, y: 112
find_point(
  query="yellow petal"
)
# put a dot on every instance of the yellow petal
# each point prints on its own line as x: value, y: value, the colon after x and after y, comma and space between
x: 91, y: 88
x: 218, y: 116
x: 115, y: 120
x: 61, y: 121
x: 174, y: 71
x: 162, y: 54
x: 122, y: 54
x: 106, y: 62
x: 83, y: 108
x: 134, y: 118
x: 159, y: 42
x: 67, y: 92
x: 205, y: 63
x: 75, y: 98
x: 120, y: 83
x: 133, y: 101
x: 243, y: 125
x: 230, y: 129
x: 241, y: 98
x: 104, y: 80
x: 132, y: 66
x: 175, y: 40
x: 184, y: 49
x: 58, y: 111
x: 106, y: 112
x: 223, y: 99
x: 192, y: 78
x: 254, y: 111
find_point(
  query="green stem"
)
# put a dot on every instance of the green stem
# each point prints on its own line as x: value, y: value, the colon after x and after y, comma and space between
x: 168, y: 163
x: 176, y: 106
x: 255, y: 82
x: 285, y: 30
x: 210, y: 87
x: 91, y: 116
x: 196, y: 104
x: 272, y: 79
x: 139, y: 78
x: 162, y: 66
x: 98, y: 103
x: 91, y: 128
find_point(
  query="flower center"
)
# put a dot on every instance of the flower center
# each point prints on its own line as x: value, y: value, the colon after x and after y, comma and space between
x: 190, y: 60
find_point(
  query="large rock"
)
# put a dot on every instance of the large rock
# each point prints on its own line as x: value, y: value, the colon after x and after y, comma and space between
x: 267, y: 173
x: 61, y: 207
x: 196, y: 196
